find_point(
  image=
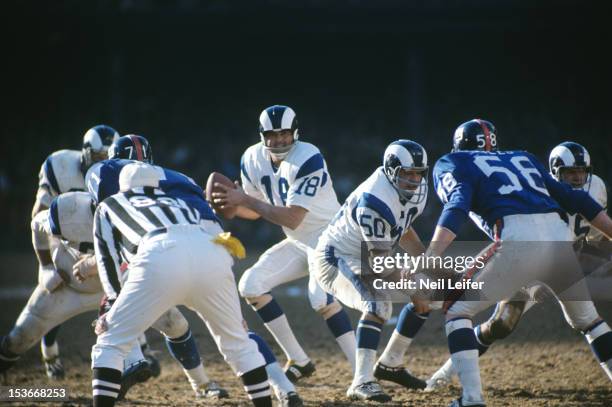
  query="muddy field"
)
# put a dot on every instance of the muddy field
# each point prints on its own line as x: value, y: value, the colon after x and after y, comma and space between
x: 544, y: 363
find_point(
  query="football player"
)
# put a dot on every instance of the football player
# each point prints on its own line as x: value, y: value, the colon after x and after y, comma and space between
x: 286, y: 182
x: 102, y: 181
x: 59, y: 296
x: 568, y: 162
x: 514, y: 199
x: 380, y: 212
x: 64, y: 171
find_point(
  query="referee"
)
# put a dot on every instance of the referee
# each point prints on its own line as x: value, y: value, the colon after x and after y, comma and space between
x: 172, y: 260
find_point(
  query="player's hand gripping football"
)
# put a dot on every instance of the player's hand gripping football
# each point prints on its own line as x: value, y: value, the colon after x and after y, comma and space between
x: 228, y: 196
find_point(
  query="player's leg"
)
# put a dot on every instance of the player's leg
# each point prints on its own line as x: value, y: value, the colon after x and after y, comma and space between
x: 335, y: 317
x: 503, y: 322
x: 582, y: 315
x: 283, y: 388
x: 339, y: 276
x: 49, y: 349
x: 150, y: 290
x: 282, y: 263
x: 218, y: 305
x: 390, y: 365
x: 508, y: 270
x: 43, y: 311
x: 183, y: 348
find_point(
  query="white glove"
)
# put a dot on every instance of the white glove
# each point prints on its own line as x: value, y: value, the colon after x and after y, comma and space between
x: 49, y: 278
x: 85, y: 268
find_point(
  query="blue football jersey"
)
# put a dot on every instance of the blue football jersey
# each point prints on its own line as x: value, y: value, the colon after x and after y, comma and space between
x: 492, y: 185
x: 102, y: 181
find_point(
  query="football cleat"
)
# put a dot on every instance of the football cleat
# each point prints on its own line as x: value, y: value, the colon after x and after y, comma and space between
x: 439, y: 380
x: 370, y: 391
x: 211, y: 390
x: 138, y: 372
x: 153, y: 364
x: 459, y: 403
x: 294, y: 372
x: 399, y: 375
x: 291, y: 399
x: 54, y: 368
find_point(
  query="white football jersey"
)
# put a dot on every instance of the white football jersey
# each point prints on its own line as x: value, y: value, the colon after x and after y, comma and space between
x: 61, y: 172
x: 301, y: 179
x: 580, y: 226
x: 373, y: 213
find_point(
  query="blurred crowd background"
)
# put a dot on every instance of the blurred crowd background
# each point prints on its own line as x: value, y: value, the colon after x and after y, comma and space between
x: 193, y: 76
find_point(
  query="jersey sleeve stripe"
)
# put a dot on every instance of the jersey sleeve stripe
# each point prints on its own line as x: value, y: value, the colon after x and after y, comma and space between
x: 54, y: 222
x: 311, y: 165
x: 48, y: 168
x: 372, y: 202
x: 243, y: 170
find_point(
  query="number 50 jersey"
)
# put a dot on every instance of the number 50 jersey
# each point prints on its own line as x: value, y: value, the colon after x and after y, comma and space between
x: 373, y: 213
x: 301, y: 179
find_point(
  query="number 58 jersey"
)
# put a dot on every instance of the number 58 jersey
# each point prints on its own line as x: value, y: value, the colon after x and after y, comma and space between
x: 492, y: 185
x: 301, y: 179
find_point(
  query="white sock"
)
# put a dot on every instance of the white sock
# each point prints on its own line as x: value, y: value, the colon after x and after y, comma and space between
x: 607, y: 367
x: 348, y: 345
x: 134, y: 356
x: 364, y: 371
x: 393, y: 355
x: 278, y: 380
x: 197, y: 376
x: 466, y: 365
x: 49, y: 352
x: 280, y: 329
x: 447, y: 370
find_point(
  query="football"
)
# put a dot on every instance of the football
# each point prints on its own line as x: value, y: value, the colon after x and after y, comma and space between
x: 217, y: 177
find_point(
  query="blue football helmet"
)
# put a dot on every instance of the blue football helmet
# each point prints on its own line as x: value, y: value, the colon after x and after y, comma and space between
x: 132, y: 147
x: 570, y: 155
x: 477, y: 134
x: 277, y: 118
x: 409, y: 156
x: 96, y: 143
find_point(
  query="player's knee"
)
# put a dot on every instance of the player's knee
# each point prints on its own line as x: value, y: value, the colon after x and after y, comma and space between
x: 369, y: 316
x: 329, y: 310
x: 583, y: 322
x: 250, y: 286
x: 172, y: 324
x: 504, y: 322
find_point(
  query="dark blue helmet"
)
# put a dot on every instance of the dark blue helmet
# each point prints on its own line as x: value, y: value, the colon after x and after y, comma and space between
x: 96, y: 143
x: 277, y: 118
x: 131, y: 147
x: 476, y: 134
x: 409, y: 156
x: 569, y: 155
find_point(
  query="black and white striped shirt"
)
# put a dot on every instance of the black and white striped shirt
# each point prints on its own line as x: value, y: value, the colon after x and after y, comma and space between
x: 123, y: 219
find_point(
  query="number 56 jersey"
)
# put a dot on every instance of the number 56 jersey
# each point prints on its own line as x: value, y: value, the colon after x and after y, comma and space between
x: 373, y: 213
x: 301, y: 179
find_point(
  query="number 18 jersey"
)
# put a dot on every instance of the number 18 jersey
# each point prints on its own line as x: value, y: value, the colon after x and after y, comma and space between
x: 301, y: 179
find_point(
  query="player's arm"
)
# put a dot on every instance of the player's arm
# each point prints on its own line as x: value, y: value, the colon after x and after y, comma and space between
x: 411, y: 242
x: 288, y: 216
x: 107, y: 257
x: 246, y: 213
x: 47, y: 188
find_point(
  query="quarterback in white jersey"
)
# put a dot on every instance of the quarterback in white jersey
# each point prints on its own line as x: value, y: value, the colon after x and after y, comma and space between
x: 64, y: 171
x: 379, y: 213
x: 286, y: 182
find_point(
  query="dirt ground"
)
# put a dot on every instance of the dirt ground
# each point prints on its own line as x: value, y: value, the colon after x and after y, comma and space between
x: 543, y: 363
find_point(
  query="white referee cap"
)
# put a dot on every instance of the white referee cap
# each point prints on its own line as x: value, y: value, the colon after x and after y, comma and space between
x: 138, y: 174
